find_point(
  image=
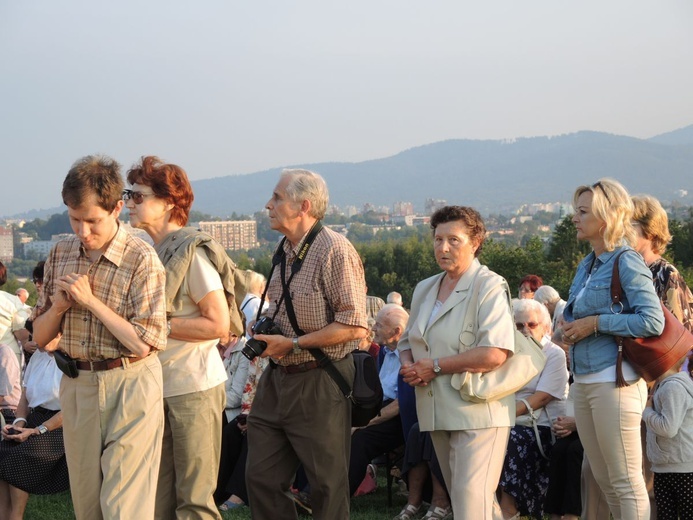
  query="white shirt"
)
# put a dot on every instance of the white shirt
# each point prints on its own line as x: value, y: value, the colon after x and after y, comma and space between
x: 553, y: 380
x: 42, y: 381
x: 193, y: 366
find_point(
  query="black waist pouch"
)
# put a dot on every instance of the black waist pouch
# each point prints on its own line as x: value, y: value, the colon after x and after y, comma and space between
x: 66, y: 364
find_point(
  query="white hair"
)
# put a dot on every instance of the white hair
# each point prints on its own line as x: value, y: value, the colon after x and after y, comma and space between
x: 526, y: 306
x: 394, y: 297
x: 307, y: 185
x: 546, y: 294
x: 395, y: 315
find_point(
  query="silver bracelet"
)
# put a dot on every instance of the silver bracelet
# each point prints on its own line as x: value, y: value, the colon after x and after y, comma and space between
x: 17, y: 420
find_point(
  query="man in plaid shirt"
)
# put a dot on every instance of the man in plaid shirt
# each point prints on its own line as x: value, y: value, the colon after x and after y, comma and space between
x: 104, y: 291
x: 299, y: 415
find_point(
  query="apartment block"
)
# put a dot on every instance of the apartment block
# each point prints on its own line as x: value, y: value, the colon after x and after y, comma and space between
x: 234, y: 235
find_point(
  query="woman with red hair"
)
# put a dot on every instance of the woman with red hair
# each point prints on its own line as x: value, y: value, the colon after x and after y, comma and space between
x: 199, y: 290
x: 528, y: 286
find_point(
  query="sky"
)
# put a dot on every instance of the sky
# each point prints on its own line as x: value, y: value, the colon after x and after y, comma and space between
x: 228, y: 87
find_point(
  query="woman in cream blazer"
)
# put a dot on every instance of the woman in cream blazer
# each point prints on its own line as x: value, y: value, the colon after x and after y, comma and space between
x: 470, y: 438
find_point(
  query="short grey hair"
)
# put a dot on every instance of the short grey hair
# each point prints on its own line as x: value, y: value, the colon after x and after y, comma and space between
x: 546, y: 294
x: 533, y: 305
x: 307, y: 185
x: 394, y: 297
x: 395, y: 315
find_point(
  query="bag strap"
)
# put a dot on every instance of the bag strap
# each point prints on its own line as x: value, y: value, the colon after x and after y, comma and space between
x: 534, y: 417
x: 322, y: 359
x: 617, y: 300
x: 469, y: 322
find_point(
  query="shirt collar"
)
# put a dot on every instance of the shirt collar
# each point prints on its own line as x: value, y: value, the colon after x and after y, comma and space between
x: 116, y: 248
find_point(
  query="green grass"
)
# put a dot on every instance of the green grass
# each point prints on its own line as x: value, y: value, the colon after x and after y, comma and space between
x: 368, y: 507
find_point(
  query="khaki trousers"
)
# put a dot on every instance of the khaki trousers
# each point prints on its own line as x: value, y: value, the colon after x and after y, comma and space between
x: 190, y: 455
x: 297, y: 419
x: 594, y: 505
x: 472, y: 462
x: 608, y: 421
x: 112, y: 426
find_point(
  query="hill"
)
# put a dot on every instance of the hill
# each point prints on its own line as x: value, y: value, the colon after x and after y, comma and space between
x: 493, y: 176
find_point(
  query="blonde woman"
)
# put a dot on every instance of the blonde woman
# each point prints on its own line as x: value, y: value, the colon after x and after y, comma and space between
x: 608, y: 417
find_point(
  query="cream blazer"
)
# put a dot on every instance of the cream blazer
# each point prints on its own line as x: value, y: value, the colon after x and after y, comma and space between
x: 438, y: 405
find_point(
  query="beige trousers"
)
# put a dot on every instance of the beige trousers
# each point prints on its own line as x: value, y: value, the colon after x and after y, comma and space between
x: 112, y: 425
x: 190, y: 455
x: 471, y: 462
x: 608, y: 421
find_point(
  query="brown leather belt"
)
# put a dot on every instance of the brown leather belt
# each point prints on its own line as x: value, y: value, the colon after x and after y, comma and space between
x: 301, y: 367
x: 107, y: 364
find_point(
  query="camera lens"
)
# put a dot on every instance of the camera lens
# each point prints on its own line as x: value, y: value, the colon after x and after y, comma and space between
x: 253, y: 348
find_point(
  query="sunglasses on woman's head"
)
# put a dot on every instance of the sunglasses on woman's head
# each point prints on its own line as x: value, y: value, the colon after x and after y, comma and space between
x: 136, y: 196
x: 599, y: 185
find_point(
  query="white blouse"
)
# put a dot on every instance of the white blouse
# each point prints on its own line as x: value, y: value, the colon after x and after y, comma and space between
x: 42, y: 381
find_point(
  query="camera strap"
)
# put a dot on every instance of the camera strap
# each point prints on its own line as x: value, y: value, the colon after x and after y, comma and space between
x: 295, y: 268
x: 322, y: 359
x: 279, y: 257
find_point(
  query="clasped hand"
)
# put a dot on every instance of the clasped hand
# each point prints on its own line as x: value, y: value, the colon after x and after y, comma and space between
x: 418, y: 374
x: 24, y: 433
x: 74, y: 288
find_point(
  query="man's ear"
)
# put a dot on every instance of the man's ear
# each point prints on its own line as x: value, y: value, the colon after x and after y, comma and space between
x: 118, y: 208
x: 306, y: 205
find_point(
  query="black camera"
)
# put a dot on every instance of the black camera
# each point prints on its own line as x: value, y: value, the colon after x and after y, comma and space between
x: 254, y: 347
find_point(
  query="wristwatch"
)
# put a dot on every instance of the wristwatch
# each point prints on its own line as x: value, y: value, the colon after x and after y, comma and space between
x: 436, y: 366
x: 168, y: 328
x: 42, y: 429
x: 296, y: 349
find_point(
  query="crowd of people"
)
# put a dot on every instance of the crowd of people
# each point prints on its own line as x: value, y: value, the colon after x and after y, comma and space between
x: 168, y: 384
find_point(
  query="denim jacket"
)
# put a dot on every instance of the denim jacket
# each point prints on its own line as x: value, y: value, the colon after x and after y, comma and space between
x: 641, y: 316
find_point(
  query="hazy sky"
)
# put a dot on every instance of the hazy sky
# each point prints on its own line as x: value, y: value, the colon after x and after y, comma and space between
x: 227, y: 87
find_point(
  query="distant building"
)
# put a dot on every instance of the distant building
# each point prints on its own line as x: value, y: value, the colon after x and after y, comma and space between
x: 433, y: 205
x: 6, y: 245
x: 411, y: 220
x: 233, y: 234
x: 402, y: 209
x: 39, y: 247
x: 350, y: 211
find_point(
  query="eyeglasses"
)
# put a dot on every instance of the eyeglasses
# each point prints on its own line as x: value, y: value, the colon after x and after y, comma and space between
x: 598, y: 184
x: 530, y: 324
x: 525, y: 289
x: 136, y: 196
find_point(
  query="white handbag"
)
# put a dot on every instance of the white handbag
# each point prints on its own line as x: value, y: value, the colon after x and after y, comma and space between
x: 517, y: 370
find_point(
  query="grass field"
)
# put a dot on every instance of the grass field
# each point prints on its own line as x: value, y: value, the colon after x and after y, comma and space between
x: 368, y: 507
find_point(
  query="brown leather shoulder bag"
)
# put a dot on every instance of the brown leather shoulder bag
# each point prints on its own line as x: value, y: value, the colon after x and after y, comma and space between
x: 650, y: 357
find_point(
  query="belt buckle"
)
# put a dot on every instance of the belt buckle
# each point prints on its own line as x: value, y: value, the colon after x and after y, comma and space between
x: 91, y: 366
x: 124, y: 362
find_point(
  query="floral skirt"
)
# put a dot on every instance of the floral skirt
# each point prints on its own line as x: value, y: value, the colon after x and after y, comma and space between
x: 525, y: 474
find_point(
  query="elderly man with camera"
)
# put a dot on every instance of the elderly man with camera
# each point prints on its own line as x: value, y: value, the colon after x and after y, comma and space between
x: 317, y: 296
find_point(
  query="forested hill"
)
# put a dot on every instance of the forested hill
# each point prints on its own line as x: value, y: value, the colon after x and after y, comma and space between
x: 490, y: 175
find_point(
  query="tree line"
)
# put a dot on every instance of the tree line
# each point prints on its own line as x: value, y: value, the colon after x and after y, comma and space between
x: 396, y: 260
